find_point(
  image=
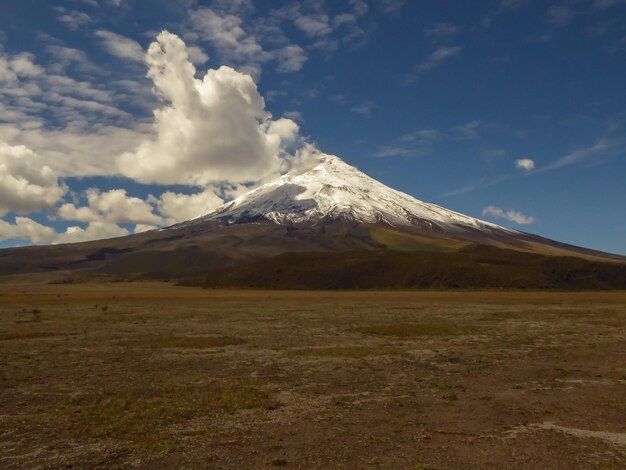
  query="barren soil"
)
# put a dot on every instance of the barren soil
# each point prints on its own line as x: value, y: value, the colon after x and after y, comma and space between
x: 147, y: 375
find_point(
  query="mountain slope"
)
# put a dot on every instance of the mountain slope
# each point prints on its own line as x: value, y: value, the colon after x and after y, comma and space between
x: 328, y: 189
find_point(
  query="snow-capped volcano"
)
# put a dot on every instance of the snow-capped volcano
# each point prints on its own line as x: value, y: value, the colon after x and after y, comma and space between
x: 330, y: 226
x: 332, y: 189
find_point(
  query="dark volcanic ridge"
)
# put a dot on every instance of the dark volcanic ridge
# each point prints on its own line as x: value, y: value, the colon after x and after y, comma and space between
x: 328, y: 226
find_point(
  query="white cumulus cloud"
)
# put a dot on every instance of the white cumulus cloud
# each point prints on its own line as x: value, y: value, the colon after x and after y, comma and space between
x: 525, y: 164
x: 209, y: 131
x: 177, y: 207
x: 29, y: 230
x: 114, y: 206
x: 511, y: 215
x: 140, y: 228
x: 93, y: 231
x: 26, y: 228
x: 26, y: 184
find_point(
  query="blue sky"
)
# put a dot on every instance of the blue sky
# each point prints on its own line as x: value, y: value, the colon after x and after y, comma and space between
x: 509, y: 110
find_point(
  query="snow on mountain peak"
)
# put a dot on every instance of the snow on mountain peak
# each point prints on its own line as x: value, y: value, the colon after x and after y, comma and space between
x: 332, y: 189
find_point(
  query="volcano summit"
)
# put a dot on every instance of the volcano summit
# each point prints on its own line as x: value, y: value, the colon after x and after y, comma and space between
x: 330, y: 189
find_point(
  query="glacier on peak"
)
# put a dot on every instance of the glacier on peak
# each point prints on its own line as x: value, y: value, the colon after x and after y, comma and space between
x: 331, y: 189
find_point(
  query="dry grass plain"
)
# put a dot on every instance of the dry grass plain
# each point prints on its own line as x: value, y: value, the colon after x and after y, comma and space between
x: 147, y: 375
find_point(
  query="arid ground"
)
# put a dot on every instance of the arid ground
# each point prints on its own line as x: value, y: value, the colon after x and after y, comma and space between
x: 148, y: 375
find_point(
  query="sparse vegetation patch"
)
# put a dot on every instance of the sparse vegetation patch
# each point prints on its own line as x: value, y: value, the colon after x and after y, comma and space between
x: 410, y: 330
x: 345, y: 351
x: 140, y: 414
x: 186, y: 342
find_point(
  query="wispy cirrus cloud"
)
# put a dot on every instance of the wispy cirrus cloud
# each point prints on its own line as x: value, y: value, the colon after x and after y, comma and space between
x: 422, y: 141
x: 365, y: 108
x: 314, y: 24
x: 468, y: 188
x: 423, y: 135
x: 559, y: 16
x: 250, y: 42
x: 237, y: 43
x: 73, y: 19
x: 294, y: 115
x: 469, y: 130
x: 27, y: 87
x: 606, y: 4
x: 602, y: 148
x: 513, y: 4
x: 66, y: 57
x: 394, y: 151
x: 438, y: 57
x: 582, y: 154
x: 415, y: 143
x: 441, y: 30
x: 228, y: 35
x: 392, y: 6
x: 502, y: 8
x: 121, y: 46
